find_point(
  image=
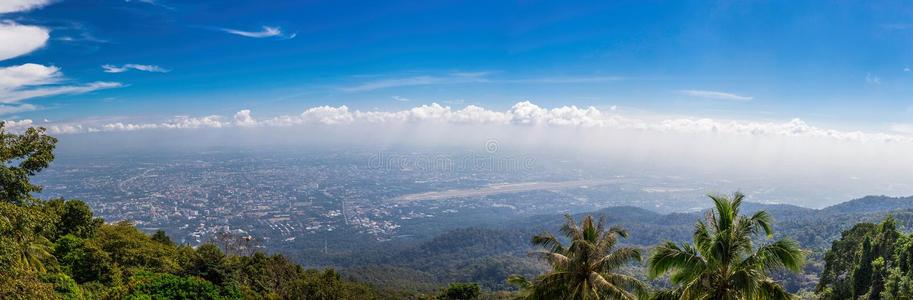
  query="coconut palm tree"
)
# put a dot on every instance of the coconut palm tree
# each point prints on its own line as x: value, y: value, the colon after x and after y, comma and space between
x: 722, y: 263
x: 587, y: 267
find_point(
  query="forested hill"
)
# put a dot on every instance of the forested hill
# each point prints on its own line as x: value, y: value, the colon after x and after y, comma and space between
x: 872, y: 204
x: 487, y: 255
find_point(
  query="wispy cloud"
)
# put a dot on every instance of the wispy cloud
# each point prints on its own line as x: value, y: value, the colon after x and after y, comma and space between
x: 27, y: 81
x: 872, y: 79
x: 399, y: 82
x: 561, y: 80
x: 127, y: 67
x: 13, y: 109
x: 897, y: 26
x: 153, y: 3
x: 400, y: 99
x: 469, y: 77
x: 22, y: 94
x: 71, y: 31
x: 716, y: 95
x: 265, y: 32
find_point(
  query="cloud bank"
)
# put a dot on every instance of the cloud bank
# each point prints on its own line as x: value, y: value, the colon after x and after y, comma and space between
x: 523, y: 115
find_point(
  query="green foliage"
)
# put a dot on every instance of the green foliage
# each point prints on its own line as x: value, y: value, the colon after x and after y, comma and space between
x: 23, y: 245
x: 130, y: 248
x: 168, y: 286
x: 20, y: 285
x: 840, y: 262
x: 461, y: 291
x: 84, y: 259
x: 23, y: 155
x: 162, y: 238
x: 723, y: 263
x: 71, y: 217
x: 206, y: 262
x: 865, y: 263
x: 898, y: 282
x: 586, y: 268
x: 65, y: 287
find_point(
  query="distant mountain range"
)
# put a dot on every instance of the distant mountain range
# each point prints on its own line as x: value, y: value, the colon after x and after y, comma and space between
x: 871, y: 204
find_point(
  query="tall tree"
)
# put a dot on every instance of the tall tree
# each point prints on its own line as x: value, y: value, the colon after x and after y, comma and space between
x: 840, y: 261
x: 23, y: 155
x: 587, y: 267
x: 722, y: 263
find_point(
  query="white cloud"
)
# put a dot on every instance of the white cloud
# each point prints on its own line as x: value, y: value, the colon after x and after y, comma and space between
x: 17, y: 95
x: 716, y: 95
x: 565, y: 80
x: 26, y: 81
x: 179, y: 122
x: 468, y: 77
x: 244, y: 119
x: 395, y: 82
x: 17, y: 40
x: 127, y: 67
x: 902, y: 128
x: 12, y: 109
x: 871, y: 79
x: 28, y: 75
x: 151, y: 2
x: 400, y: 99
x: 18, y: 124
x: 8, y: 6
x: 267, y: 31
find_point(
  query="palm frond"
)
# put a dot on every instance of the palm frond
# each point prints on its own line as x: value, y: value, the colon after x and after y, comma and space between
x: 555, y: 259
x: 548, y: 241
x: 670, y: 257
x: 763, y: 220
x: 769, y: 289
x: 783, y: 253
x: 618, y: 258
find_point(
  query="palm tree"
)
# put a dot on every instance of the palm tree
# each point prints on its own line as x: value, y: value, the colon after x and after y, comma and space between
x: 21, y: 229
x: 586, y: 268
x: 722, y: 263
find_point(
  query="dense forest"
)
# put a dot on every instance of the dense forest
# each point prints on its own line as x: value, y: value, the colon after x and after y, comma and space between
x: 57, y: 248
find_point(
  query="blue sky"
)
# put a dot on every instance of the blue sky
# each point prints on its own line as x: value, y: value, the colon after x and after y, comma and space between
x: 843, y: 65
